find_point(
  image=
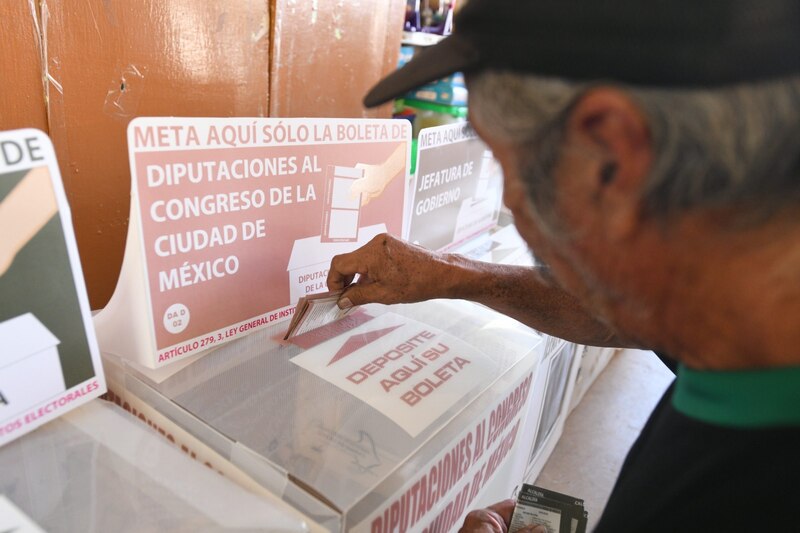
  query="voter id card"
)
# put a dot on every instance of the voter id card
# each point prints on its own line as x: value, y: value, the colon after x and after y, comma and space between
x: 558, y: 512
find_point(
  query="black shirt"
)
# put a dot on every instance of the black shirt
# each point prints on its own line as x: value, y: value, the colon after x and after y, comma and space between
x: 714, y: 458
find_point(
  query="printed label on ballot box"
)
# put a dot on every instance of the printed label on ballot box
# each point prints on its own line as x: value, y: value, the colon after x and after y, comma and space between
x: 409, y: 371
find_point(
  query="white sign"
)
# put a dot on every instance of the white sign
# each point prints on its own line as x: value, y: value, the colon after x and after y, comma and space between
x: 409, y: 371
x: 49, y: 362
x: 234, y: 219
x: 458, y: 187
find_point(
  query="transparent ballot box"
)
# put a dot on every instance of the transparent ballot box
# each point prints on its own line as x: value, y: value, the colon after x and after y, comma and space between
x: 96, y: 469
x: 396, y: 417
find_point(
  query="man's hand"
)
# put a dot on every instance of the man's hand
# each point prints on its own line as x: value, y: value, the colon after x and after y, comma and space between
x: 494, y: 519
x: 390, y: 271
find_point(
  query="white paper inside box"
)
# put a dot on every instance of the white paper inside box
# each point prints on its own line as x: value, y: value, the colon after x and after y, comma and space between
x: 267, y: 408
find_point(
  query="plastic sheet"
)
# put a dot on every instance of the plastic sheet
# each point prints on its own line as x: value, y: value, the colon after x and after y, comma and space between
x: 342, y: 457
x: 97, y: 470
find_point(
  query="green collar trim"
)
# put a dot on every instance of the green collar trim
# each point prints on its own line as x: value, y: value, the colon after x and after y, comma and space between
x: 741, y: 398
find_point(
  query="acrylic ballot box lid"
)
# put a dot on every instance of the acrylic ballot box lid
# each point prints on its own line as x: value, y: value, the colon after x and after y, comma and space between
x: 334, y: 456
x: 23, y: 336
x: 97, y: 469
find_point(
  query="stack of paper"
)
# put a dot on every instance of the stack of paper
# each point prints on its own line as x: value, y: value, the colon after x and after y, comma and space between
x: 315, y: 311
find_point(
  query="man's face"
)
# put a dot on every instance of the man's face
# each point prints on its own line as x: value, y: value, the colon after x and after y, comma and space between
x: 515, y: 197
x: 568, y: 268
x: 605, y: 251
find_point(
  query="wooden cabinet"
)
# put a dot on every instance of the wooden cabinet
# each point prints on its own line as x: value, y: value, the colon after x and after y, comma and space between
x: 82, y: 70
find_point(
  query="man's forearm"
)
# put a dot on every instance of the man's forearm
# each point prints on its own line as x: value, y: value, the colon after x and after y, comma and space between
x: 523, y: 293
x: 393, y: 271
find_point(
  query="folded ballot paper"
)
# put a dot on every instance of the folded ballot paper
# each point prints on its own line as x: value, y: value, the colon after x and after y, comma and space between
x: 315, y: 311
x: 98, y: 469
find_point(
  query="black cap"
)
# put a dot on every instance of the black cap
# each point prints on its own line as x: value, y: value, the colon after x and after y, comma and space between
x: 669, y: 43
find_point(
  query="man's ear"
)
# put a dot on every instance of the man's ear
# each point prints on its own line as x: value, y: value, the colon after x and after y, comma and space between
x: 607, y: 122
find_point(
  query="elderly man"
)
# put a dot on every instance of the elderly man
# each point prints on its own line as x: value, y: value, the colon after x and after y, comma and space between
x: 664, y: 200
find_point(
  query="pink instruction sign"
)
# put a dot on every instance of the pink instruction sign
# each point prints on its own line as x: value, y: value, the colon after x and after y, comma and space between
x: 236, y: 219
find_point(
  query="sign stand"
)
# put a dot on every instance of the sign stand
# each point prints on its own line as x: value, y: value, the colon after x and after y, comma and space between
x: 230, y: 224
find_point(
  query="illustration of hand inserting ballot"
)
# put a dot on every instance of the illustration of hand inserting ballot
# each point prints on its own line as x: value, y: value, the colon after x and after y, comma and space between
x: 348, y: 189
x: 39, y: 306
x: 29, y: 348
x: 25, y: 211
x: 376, y: 177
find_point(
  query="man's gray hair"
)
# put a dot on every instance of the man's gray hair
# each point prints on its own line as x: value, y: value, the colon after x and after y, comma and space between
x: 736, y: 147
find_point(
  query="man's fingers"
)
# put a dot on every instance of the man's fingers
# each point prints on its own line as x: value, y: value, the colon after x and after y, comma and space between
x: 362, y: 293
x: 349, y: 298
x: 483, y: 521
x: 348, y: 280
x: 343, y: 268
x: 493, y: 519
x: 504, y: 508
